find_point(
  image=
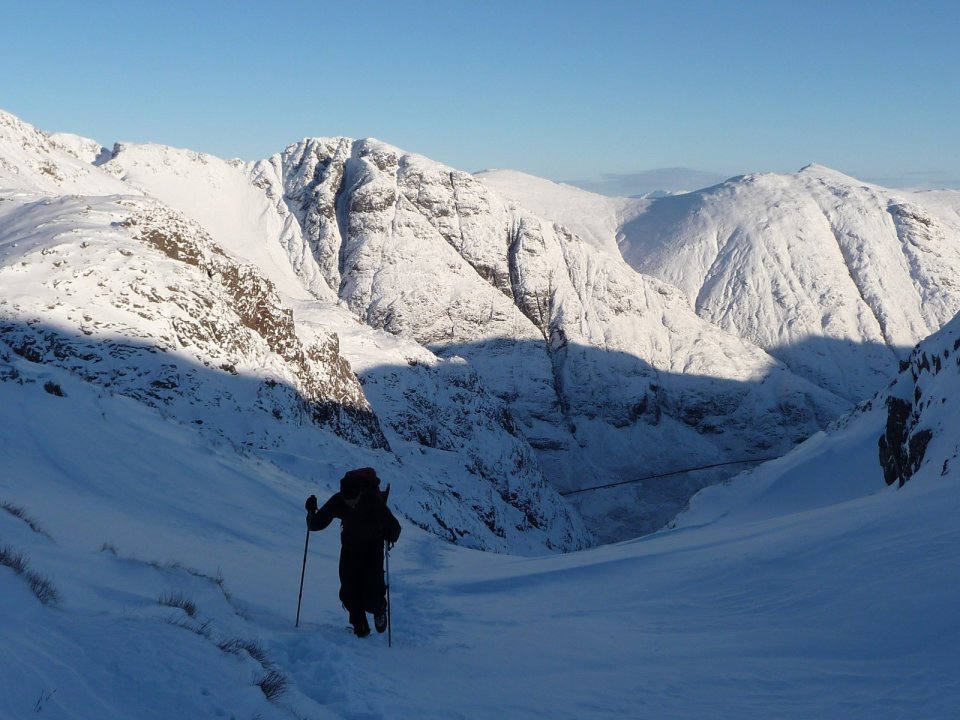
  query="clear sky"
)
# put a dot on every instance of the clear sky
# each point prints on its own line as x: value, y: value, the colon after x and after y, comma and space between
x: 563, y: 89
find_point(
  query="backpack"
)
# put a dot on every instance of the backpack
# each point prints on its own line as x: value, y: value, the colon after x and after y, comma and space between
x: 367, y: 526
x: 362, y: 481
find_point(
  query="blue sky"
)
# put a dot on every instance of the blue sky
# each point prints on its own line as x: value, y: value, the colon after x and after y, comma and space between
x: 598, y: 90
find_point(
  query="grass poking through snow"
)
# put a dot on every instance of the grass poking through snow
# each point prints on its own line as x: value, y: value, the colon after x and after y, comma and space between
x: 41, y: 586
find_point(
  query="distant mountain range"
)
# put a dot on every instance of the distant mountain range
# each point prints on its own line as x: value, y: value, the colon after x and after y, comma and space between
x: 662, y: 181
x: 492, y: 340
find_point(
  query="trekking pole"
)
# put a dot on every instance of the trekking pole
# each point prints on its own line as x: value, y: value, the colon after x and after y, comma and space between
x: 303, y: 573
x: 386, y: 549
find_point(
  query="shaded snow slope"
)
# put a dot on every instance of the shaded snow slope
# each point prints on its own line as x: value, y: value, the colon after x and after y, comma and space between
x: 803, y: 610
x: 905, y: 433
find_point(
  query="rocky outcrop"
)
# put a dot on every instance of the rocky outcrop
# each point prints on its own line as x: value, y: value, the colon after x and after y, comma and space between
x: 920, y: 429
x: 146, y: 305
x: 327, y: 386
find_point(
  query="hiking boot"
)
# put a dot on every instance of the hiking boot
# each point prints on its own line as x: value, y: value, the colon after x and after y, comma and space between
x: 361, y: 628
x: 380, y: 620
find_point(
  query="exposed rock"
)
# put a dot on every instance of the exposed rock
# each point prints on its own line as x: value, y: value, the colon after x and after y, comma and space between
x: 918, y: 405
x: 325, y: 382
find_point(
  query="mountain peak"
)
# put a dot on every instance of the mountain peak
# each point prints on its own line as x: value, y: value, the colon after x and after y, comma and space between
x: 828, y: 174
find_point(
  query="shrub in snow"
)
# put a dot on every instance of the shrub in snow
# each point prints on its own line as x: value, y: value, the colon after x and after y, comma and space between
x: 272, y: 683
x: 40, y: 585
x: 43, y: 589
x: 12, y: 559
x: 172, y: 599
x: 201, y: 629
x: 19, y: 512
x: 234, y: 646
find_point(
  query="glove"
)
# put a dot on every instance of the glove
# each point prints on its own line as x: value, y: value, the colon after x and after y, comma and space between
x: 311, y: 504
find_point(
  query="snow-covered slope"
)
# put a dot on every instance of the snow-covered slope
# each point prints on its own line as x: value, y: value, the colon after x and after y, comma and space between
x: 220, y: 197
x: 138, y: 299
x: 131, y: 296
x: 594, y: 218
x: 605, y: 370
x: 834, y: 277
x: 905, y: 433
x: 170, y: 569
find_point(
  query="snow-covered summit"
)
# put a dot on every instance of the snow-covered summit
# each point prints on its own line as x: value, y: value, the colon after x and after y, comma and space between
x: 587, y: 353
x: 31, y: 160
x: 834, y: 277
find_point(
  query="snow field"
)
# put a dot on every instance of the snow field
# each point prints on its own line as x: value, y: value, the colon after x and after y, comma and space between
x: 844, y: 610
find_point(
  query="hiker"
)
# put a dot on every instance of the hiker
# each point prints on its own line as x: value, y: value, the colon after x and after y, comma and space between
x: 366, y: 523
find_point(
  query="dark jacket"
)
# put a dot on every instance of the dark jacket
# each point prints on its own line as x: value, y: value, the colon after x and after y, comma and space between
x: 369, y: 523
x: 363, y: 530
